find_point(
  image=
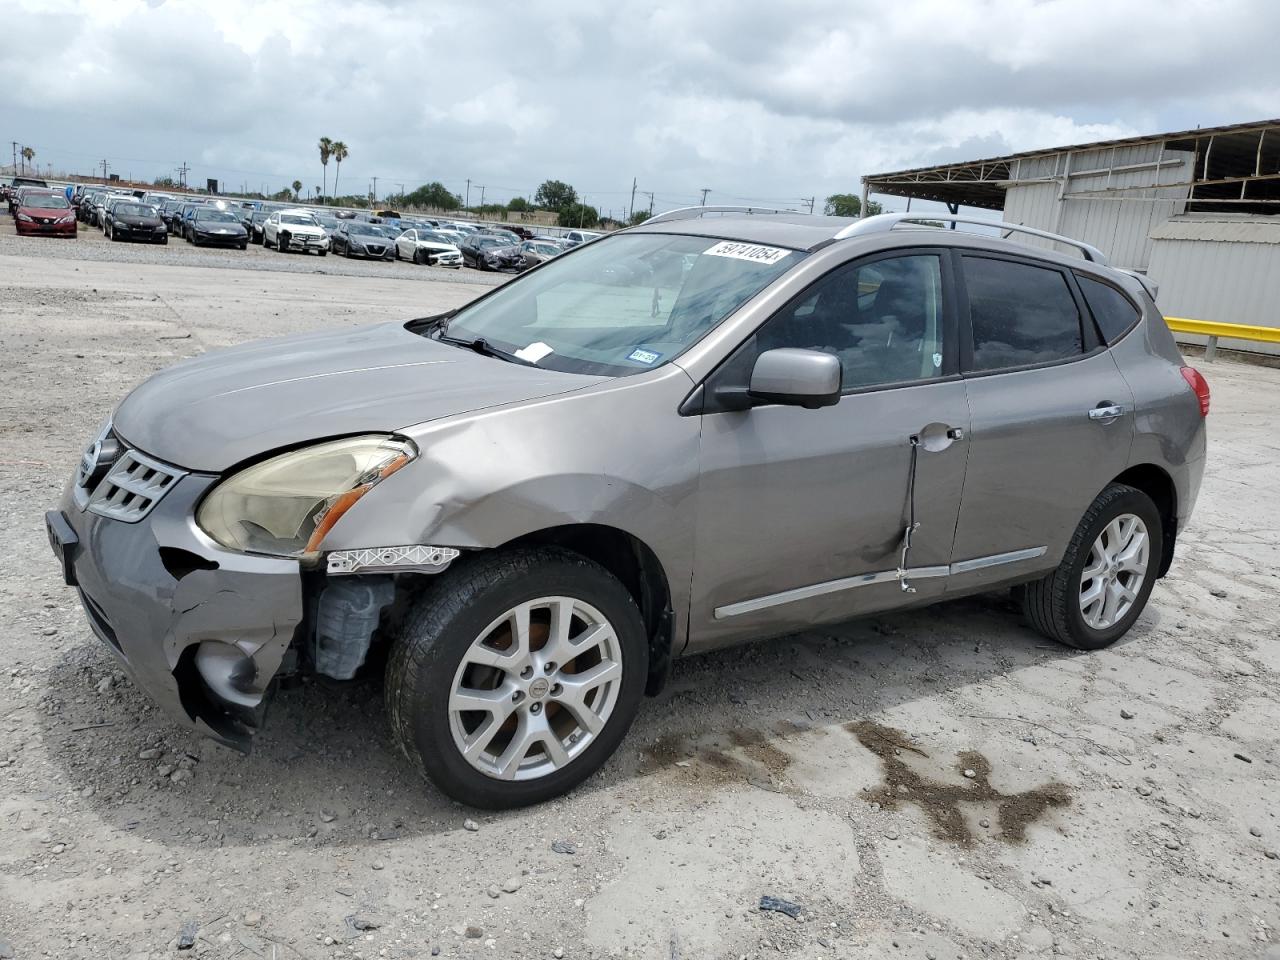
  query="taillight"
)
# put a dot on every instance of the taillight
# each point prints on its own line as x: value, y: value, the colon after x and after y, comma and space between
x: 1199, y: 386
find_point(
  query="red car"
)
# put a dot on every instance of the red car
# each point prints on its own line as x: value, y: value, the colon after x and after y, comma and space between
x: 44, y: 214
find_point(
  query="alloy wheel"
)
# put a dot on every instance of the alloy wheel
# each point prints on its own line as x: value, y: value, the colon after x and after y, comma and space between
x: 535, y: 689
x: 1114, y: 573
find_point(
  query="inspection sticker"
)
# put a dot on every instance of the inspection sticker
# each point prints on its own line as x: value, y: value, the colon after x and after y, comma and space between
x: 640, y: 355
x: 534, y: 351
x: 748, y: 251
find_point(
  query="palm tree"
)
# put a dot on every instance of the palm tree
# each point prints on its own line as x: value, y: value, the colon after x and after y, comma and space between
x: 339, y: 153
x: 27, y: 156
x: 297, y: 189
x: 326, y: 151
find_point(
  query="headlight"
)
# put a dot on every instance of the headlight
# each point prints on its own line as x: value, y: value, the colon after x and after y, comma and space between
x: 284, y: 506
x: 23, y: 217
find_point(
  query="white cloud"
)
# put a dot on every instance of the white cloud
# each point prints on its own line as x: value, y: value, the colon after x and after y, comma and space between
x: 754, y: 100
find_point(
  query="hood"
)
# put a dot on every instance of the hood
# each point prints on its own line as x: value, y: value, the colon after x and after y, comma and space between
x: 437, y: 246
x: 302, y: 229
x: 213, y: 412
x: 50, y: 213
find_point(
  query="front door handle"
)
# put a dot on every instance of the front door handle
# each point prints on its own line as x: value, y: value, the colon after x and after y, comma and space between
x: 1106, y: 412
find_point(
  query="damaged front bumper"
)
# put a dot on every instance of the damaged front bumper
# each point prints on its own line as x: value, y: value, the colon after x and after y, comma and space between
x: 203, y: 630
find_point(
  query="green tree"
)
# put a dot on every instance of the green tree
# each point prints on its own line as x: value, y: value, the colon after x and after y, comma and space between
x: 167, y: 183
x: 283, y: 195
x: 519, y: 205
x: 27, y: 155
x: 640, y: 216
x: 578, y: 215
x: 326, y: 151
x: 297, y: 189
x: 435, y: 195
x: 339, y: 153
x: 555, y: 195
x: 850, y: 205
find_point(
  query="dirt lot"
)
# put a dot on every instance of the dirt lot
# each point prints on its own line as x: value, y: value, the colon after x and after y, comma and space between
x: 1123, y: 804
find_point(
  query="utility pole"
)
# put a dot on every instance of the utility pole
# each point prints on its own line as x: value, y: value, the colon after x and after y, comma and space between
x: 809, y: 201
x: 646, y: 193
x: 182, y: 174
x: 467, y: 206
x: 633, y: 199
x: 705, y: 191
x: 104, y: 170
x: 375, y: 190
x: 15, y: 157
x: 482, y: 196
x: 401, y: 186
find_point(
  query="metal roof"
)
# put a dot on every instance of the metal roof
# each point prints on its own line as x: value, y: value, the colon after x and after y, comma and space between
x: 1223, y: 230
x: 981, y: 183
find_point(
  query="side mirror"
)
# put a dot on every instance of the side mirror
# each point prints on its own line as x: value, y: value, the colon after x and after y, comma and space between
x: 800, y: 378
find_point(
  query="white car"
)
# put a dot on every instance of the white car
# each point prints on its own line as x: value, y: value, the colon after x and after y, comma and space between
x: 426, y: 246
x: 575, y: 237
x: 294, y: 230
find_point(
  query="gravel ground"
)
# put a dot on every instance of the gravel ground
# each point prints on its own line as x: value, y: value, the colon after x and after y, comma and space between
x: 939, y: 784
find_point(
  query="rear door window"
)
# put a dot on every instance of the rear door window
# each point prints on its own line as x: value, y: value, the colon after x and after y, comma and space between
x: 1114, y: 312
x: 1020, y: 314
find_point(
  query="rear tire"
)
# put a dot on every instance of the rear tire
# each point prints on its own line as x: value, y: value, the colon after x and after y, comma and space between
x: 439, y: 653
x: 1059, y: 605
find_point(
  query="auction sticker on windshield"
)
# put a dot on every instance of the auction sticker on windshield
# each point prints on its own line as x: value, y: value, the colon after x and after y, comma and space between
x: 748, y: 251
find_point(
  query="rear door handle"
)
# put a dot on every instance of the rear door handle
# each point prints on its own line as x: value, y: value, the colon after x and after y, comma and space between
x: 1106, y: 412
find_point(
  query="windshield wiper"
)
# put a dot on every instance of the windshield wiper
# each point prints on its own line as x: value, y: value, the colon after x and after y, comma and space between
x: 483, y: 347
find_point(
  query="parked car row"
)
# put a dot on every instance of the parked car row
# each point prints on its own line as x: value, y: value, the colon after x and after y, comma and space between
x: 380, y: 234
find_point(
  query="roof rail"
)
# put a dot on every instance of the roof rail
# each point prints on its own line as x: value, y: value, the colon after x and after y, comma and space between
x: 690, y: 213
x: 884, y: 222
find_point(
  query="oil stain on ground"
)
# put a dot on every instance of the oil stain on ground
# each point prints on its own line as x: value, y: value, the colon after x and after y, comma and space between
x: 943, y: 802
x: 736, y: 755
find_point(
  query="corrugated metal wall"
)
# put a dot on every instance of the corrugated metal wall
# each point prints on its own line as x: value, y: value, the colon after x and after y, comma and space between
x: 1212, y: 280
x: 1120, y: 228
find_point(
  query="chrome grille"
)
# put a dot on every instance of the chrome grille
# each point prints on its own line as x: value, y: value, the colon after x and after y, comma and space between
x: 132, y: 487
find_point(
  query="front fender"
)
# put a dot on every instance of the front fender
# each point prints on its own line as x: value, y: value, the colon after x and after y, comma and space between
x: 618, y: 455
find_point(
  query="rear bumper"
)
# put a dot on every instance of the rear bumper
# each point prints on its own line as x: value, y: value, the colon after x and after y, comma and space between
x: 202, y: 630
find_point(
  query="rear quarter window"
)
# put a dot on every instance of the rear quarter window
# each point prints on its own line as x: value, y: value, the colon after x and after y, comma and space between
x: 1020, y: 314
x: 1114, y: 312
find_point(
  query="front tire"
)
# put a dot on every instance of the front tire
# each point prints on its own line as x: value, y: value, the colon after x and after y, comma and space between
x: 1106, y: 575
x: 517, y: 676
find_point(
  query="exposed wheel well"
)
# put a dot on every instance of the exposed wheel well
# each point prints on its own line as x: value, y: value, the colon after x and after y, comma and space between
x: 1158, y: 485
x: 637, y: 567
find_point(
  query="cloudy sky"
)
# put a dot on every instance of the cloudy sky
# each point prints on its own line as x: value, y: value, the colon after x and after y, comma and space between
x: 758, y: 101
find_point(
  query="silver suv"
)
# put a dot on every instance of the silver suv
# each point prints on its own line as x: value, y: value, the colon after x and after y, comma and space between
x: 711, y: 428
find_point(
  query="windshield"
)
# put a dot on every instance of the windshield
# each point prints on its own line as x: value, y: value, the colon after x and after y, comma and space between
x: 623, y: 305
x: 364, y: 229
x: 217, y: 216
x: 46, y: 201
x: 298, y: 220
x: 134, y: 210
